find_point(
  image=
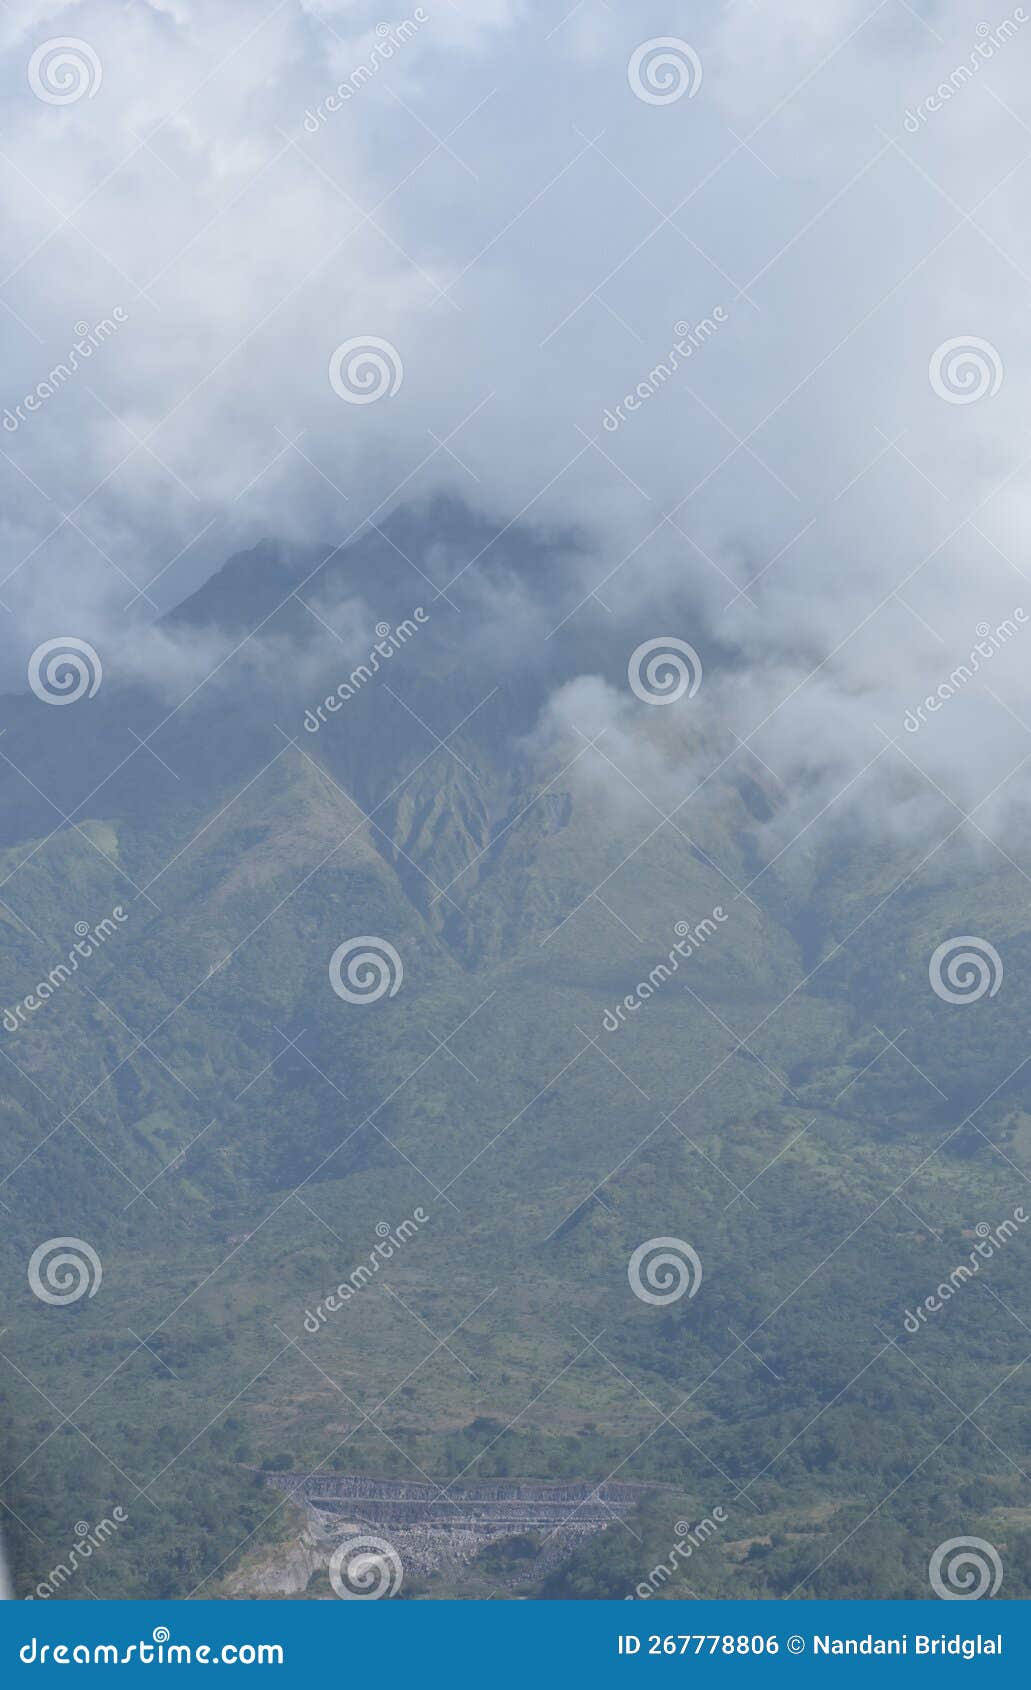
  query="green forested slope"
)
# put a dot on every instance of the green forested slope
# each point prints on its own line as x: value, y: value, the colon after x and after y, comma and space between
x: 227, y: 1133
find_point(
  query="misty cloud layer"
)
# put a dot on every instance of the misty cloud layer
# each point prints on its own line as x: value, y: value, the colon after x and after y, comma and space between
x: 834, y: 528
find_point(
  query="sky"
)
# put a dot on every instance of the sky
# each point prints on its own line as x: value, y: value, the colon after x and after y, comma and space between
x: 335, y: 262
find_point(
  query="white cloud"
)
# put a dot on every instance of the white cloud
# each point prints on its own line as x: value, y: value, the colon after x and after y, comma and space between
x: 490, y: 198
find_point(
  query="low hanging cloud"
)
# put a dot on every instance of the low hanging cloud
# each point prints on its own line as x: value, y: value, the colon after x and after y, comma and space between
x: 735, y: 295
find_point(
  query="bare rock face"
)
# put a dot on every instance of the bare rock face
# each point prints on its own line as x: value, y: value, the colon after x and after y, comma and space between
x: 282, y: 1571
x: 434, y: 1529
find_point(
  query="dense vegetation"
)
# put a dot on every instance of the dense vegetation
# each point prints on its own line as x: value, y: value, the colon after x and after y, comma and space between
x: 227, y: 1134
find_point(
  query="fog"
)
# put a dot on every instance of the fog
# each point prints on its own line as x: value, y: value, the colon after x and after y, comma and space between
x: 747, y: 314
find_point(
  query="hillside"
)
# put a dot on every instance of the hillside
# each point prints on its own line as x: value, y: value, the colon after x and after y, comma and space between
x: 233, y: 1138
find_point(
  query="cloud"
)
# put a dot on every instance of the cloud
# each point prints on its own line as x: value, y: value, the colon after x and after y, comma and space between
x: 480, y: 188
